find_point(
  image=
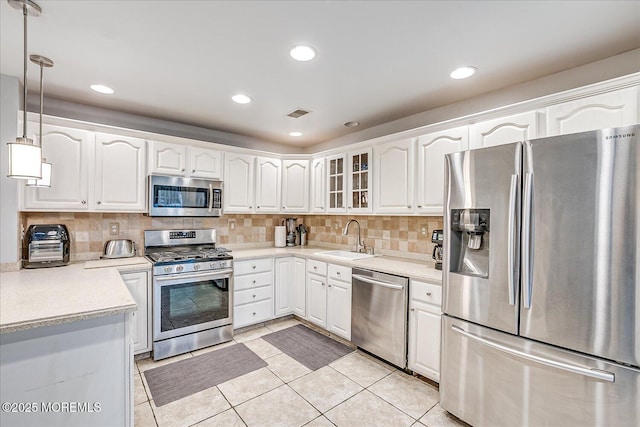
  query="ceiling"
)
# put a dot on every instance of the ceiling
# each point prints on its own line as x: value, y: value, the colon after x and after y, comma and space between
x: 377, y: 60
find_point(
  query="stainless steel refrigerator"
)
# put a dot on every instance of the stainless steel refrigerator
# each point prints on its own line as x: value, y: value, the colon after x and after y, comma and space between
x: 541, y: 294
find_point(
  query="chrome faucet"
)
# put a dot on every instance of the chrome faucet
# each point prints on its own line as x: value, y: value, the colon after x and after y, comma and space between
x: 360, y: 246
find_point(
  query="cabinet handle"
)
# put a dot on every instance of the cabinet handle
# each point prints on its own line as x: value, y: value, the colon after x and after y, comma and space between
x: 254, y: 267
x: 84, y: 202
x: 182, y: 169
x: 315, y: 267
x: 193, y: 171
x: 409, y: 206
x: 257, y: 207
x: 419, y: 206
x: 254, y: 295
x: 99, y: 202
x: 254, y: 281
x: 412, y: 309
x: 329, y: 286
x: 249, y: 207
x: 338, y: 273
x: 254, y: 313
x: 322, y: 283
x: 428, y: 294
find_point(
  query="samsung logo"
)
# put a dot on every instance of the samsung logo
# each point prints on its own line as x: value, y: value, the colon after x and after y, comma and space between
x: 622, y: 135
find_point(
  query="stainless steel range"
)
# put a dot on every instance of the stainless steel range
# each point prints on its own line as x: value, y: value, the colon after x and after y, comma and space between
x: 192, y: 290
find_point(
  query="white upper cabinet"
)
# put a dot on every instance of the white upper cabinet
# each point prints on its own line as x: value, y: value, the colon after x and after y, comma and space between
x: 205, y: 163
x: 70, y: 153
x: 238, y: 183
x: 318, y: 185
x: 607, y: 110
x: 295, y: 186
x: 120, y: 182
x: 394, y: 176
x: 268, y: 184
x: 166, y: 158
x: 90, y: 171
x: 359, y: 175
x: 431, y: 151
x: 336, y: 189
x: 505, y: 130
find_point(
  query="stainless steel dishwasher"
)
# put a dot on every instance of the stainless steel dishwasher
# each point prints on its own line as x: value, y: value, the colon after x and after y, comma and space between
x: 379, y: 314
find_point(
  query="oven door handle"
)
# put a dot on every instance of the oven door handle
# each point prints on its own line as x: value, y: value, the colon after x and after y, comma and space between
x: 216, y: 275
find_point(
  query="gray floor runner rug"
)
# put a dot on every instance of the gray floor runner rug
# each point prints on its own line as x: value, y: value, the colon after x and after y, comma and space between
x: 307, y: 346
x: 186, y: 377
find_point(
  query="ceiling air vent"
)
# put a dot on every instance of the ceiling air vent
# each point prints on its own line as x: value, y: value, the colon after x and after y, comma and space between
x: 298, y: 113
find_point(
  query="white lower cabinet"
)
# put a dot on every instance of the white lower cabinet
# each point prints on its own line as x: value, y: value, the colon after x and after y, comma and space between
x: 317, y: 292
x: 289, y: 285
x: 339, y: 301
x: 139, y: 285
x: 253, y: 292
x: 424, y: 329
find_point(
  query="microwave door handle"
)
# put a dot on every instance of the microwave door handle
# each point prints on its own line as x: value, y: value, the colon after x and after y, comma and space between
x: 210, y: 197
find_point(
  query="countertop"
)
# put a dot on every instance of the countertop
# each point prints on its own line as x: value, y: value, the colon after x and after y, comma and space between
x: 399, y: 266
x: 122, y: 264
x: 33, y: 298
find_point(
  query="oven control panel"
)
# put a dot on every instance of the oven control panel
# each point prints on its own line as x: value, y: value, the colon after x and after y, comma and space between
x: 190, y: 267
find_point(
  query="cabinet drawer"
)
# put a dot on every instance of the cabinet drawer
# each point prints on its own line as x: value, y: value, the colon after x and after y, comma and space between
x: 317, y: 267
x: 426, y: 292
x: 252, y: 266
x: 339, y: 272
x: 252, y: 295
x: 252, y: 281
x: 252, y: 313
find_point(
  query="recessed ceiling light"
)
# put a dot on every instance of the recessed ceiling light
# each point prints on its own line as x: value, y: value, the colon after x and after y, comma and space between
x: 295, y: 133
x: 352, y: 124
x: 463, y: 72
x: 303, y: 53
x: 102, y: 89
x: 241, y: 99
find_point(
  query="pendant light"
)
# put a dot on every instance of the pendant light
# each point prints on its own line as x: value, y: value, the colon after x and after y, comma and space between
x: 46, y: 167
x: 25, y: 157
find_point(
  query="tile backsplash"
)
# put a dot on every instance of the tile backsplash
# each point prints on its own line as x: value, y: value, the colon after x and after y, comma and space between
x: 392, y: 235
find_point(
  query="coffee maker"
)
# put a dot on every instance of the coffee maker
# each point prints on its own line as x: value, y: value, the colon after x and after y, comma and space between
x: 437, y: 237
x: 291, y: 225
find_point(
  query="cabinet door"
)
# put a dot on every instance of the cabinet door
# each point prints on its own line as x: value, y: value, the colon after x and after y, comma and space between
x: 295, y: 186
x: 268, y: 184
x: 70, y: 152
x: 318, y: 186
x: 317, y: 299
x: 284, y: 291
x: 139, y: 286
x: 431, y: 151
x: 205, y: 163
x: 359, y: 195
x: 339, y: 308
x: 238, y: 183
x: 424, y: 339
x: 120, y: 175
x: 166, y: 158
x: 299, y: 286
x: 393, y: 176
x: 519, y: 127
x: 337, y: 183
x: 608, y: 110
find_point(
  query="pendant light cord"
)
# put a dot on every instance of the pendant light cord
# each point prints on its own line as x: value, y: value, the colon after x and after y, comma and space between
x: 24, y: 101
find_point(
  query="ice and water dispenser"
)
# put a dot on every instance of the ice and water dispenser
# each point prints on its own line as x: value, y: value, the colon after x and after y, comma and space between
x: 470, y: 242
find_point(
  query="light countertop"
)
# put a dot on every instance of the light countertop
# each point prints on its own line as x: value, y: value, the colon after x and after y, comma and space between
x: 33, y: 298
x: 122, y: 264
x: 417, y: 270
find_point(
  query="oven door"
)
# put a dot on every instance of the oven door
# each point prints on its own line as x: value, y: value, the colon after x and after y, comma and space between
x: 191, y: 302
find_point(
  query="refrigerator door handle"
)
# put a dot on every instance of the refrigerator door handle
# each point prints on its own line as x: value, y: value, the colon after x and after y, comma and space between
x: 511, y: 251
x: 526, y: 238
x: 588, y: 372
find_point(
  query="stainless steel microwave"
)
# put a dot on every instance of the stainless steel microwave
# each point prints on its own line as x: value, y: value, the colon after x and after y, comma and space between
x: 179, y: 196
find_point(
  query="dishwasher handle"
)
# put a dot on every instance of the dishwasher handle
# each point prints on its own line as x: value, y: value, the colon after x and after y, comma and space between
x: 371, y: 281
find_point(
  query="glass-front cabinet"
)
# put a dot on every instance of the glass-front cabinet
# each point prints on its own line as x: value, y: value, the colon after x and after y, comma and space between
x: 336, y: 185
x: 359, y: 196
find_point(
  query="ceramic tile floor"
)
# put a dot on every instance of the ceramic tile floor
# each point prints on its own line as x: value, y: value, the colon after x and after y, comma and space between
x: 356, y: 390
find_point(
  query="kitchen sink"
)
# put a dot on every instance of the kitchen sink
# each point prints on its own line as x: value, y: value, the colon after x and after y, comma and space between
x: 346, y: 255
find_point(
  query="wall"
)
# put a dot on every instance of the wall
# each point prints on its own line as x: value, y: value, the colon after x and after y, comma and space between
x: 395, y: 236
x: 9, y: 239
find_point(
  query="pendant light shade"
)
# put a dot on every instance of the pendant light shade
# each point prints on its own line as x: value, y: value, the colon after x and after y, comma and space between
x: 46, y: 176
x: 25, y: 160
